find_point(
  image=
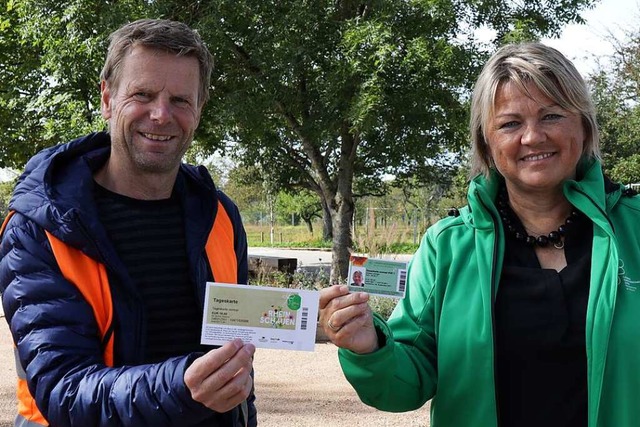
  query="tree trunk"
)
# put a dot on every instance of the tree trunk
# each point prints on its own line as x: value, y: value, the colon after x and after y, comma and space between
x: 309, y: 224
x: 342, y: 241
x: 342, y: 207
x: 327, y: 221
x: 272, y: 220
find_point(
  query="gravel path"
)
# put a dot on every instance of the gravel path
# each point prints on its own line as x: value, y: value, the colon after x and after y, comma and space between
x: 294, y: 389
x: 304, y: 389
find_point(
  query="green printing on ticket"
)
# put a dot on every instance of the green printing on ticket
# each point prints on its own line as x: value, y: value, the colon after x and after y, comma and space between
x: 255, y: 308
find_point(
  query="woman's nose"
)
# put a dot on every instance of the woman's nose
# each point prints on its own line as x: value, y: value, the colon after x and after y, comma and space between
x: 533, y: 134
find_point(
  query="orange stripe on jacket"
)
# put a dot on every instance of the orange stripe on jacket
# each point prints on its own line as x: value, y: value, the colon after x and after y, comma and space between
x: 91, y: 279
x: 220, y: 249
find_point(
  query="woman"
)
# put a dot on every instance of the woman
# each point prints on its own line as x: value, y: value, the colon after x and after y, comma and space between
x: 523, y: 309
x: 357, y: 278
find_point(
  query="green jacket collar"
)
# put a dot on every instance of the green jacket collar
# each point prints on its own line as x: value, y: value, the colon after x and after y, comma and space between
x: 586, y: 192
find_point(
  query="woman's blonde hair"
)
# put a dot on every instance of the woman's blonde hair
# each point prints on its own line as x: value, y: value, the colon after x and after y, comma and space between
x: 523, y: 64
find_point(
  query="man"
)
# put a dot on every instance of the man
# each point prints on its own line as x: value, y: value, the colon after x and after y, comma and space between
x: 106, y: 254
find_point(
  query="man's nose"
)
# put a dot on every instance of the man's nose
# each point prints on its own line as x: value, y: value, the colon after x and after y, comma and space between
x: 160, y: 110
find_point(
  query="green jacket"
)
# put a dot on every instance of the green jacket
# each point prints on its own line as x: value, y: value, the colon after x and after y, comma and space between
x: 439, y: 340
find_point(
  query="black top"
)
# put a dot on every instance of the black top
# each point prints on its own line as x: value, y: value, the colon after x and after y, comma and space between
x: 540, y: 334
x: 149, y: 238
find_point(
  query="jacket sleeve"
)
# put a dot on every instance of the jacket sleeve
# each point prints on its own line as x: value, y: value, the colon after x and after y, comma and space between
x: 59, y: 347
x: 402, y: 374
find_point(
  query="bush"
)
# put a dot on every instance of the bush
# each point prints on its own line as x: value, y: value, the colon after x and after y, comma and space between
x: 383, y: 306
x: 300, y: 279
x: 6, y: 189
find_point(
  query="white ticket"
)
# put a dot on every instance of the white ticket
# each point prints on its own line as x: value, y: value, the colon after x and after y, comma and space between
x: 267, y: 317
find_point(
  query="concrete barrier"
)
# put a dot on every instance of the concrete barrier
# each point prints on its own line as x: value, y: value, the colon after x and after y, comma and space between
x: 261, y: 264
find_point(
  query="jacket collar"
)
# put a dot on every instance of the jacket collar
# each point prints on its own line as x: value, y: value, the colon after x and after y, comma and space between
x: 482, y: 193
x: 586, y: 192
x: 592, y: 193
x: 56, y: 192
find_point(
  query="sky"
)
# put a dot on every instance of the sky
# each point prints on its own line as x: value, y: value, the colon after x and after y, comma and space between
x: 586, y: 44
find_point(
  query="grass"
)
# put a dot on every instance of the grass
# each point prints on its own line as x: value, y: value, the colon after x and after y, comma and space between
x: 371, y: 240
x: 284, y: 236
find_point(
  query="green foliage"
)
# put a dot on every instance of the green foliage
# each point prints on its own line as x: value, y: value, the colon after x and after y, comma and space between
x: 51, y: 53
x: 300, y: 279
x: 6, y: 189
x: 317, y: 95
x: 244, y: 186
x: 616, y: 90
x: 302, y: 204
x: 286, y: 236
x: 627, y: 170
x: 382, y: 306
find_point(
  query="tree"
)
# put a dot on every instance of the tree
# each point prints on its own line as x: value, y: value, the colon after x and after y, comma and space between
x: 616, y: 90
x: 51, y: 53
x: 6, y: 189
x: 245, y: 187
x: 627, y: 170
x: 323, y: 95
x: 330, y: 93
x: 303, y: 203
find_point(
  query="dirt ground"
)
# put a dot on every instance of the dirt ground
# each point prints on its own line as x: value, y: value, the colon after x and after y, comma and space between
x: 293, y: 389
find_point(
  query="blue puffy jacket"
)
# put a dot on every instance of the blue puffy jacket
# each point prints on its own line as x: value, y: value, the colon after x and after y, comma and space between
x: 54, y: 328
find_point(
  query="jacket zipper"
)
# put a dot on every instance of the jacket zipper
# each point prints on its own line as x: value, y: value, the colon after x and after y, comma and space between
x: 89, y: 238
x: 493, y: 313
x: 605, y: 215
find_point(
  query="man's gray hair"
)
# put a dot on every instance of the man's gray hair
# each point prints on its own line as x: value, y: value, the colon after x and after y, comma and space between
x: 169, y: 36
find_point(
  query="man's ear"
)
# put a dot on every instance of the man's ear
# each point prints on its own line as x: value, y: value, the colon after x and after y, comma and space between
x: 105, y: 100
x: 200, y: 109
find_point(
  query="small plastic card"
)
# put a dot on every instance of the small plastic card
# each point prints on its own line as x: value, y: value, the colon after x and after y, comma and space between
x: 375, y: 276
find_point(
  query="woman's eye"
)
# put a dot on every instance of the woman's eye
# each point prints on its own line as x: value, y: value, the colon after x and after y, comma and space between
x: 553, y: 116
x: 508, y: 125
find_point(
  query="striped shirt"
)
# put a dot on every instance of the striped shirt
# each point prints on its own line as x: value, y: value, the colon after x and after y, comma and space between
x: 150, y: 239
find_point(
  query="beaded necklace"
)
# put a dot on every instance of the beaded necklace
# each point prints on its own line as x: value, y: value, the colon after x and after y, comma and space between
x: 514, y: 226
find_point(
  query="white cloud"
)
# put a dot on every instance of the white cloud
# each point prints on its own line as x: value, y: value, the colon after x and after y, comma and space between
x: 587, y: 44
x: 7, y: 174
